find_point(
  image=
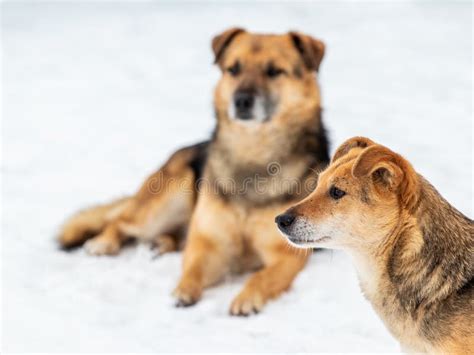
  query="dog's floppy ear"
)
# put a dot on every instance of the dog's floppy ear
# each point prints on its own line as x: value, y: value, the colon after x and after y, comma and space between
x: 390, y: 171
x: 354, y: 142
x: 311, y: 49
x: 222, y: 41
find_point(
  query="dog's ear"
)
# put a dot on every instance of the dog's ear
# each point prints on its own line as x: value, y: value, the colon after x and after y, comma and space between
x: 354, y: 142
x: 222, y: 41
x: 311, y: 49
x: 389, y: 171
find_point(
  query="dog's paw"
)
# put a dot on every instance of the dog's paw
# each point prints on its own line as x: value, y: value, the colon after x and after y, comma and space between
x: 187, y: 294
x: 248, y: 302
x: 163, y: 244
x: 101, y: 246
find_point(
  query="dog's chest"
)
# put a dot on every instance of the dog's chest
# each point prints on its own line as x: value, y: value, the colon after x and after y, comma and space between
x: 248, y: 258
x: 261, y: 184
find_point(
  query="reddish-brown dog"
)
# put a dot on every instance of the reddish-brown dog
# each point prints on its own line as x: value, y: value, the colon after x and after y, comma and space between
x: 413, y: 251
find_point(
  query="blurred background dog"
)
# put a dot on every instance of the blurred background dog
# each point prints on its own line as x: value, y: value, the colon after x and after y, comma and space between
x: 268, y: 145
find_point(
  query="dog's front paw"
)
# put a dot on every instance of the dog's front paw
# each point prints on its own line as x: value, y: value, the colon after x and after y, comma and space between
x: 249, y: 301
x: 187, y: 293
x: 101, y: 246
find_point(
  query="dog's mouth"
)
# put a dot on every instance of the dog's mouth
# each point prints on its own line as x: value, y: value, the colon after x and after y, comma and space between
x: 307, y: 241
x: 248, y: 118
x: 304, y: 242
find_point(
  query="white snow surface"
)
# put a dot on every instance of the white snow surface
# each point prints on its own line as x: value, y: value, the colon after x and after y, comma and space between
x: 97, y: 94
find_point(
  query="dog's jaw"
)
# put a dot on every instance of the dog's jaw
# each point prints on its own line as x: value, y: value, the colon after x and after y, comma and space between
x: 305, y: 243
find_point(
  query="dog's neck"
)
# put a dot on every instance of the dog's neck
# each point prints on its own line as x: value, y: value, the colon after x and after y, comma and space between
x: 421, y: 269
x: 274, y: 157
x: 437, y: 246
x: 249, y: 143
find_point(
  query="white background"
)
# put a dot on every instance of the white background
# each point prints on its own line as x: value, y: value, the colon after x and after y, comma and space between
x: 97, y: 95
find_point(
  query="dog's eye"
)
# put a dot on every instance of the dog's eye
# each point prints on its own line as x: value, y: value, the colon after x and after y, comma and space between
x: 234, y: 70
x: 273, y: 72
x: 336, y: 193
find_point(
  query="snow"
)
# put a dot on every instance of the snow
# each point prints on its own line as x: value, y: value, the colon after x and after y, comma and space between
x: 97, y: 94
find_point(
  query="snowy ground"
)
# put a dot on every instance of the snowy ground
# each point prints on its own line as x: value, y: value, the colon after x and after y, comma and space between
x: 96, y: 95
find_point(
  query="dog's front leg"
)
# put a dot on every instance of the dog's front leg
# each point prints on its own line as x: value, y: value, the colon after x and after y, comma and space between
x: 204, y: 264
x: 280, y: 269
x: 209, y: 250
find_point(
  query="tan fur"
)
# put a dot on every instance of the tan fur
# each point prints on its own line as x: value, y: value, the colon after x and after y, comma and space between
x: 160, y: 210
x: 230, y: 229
x: 413, y: 251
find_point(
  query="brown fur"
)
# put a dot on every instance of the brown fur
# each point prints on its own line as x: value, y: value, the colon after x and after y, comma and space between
x: 159, y: 212
x: 269, y: 165
x: 413, y: 251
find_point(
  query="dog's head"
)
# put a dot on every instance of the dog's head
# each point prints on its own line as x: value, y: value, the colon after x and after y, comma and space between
x: 264, y: 76
x: 358, y: 199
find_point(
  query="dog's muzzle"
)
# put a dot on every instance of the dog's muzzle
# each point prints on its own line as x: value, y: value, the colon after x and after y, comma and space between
x: 248, y: 105
x: 298, y: 231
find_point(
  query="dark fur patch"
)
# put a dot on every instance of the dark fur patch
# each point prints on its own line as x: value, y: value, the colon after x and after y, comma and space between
x: 318, y: 145
x: 198, y: 161
x: 364, y: 195
x: 298, y: 43
x: 298, y: 72
x: 431, y: 285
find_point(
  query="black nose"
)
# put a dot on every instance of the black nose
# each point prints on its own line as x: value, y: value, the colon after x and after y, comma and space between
x: 243, y: 101
x: 284, y: 220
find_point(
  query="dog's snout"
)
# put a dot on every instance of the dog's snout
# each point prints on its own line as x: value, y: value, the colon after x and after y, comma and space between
x: 284, y: 220
x: 244, y: 102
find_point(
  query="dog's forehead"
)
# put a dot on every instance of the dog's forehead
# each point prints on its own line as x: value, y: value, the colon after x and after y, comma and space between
x: 254, y: 46
x: 342, y: 167
x: 338, y: 173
